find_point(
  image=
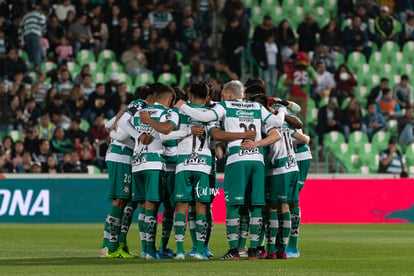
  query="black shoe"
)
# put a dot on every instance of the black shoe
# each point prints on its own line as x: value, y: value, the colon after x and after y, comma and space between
x: 232, y: 254
x: 252, y: 253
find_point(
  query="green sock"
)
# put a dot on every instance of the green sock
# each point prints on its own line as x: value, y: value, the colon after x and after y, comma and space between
x: 232, y: 226
x: 192, y: 224
x: 286, y: 225
x: 167, y: 225
x: 255, y: 226
x: 112, y: 229
x: 141, y: 227
x: 273, y: 230
x: 265, y: 228
x: 210, y: 224
x: 244, y: 226
x: 201, y: 232
x: 126, y: 220
x: 150, y: 231
x: 294, y: 232
x: 179, y: 227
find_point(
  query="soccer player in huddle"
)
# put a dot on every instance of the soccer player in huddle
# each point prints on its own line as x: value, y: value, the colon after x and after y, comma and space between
x: 242, y: 164
x: 118, y: 159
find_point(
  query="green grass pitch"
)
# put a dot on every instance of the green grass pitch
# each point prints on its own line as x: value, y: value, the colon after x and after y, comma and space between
x: 72, y: 249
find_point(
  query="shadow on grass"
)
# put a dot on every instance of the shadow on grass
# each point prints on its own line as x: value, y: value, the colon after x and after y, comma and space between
x: 87, y: 261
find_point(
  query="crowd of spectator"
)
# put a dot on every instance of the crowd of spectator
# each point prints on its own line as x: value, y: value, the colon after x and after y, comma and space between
x: 60, y: 116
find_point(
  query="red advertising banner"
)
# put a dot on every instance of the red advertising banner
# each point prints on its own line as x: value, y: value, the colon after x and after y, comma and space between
x: 349, y: 201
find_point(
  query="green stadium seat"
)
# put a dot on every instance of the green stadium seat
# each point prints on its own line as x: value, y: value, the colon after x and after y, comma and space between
x: 125, y: 78
x: 268, y: 6
x: 143, y: 79
x: 105, y: 57
x: 179, y: 56
x: 99, y: 77
x: 340, y: 59
x: 355, y: 61
x: 357, y: 141
x: 409, y: 155
x: 85, y: 56
x: 282, y: 90
x: 16, y: 135
x: 389, y: 48
x: 331, y: 6
x: 346, y: 23
x: 332, y: 139
x: 73, y: 67
x: 251, y: 3
x: 47, y: 66
x: 277, y: 13
x: 361, y: 93
x: 374, y: 165
x: 95, y: 67
x: 167, y: 78
x: 408, y: 51
x: 388, y: 70
x: 393, y: 127
x: 380, y: 140
x: 185, y: 75
x: 366, y: 153
x: 114, y: 67
x: 256, y: 17
x: 376, y: 61
x: 93, y: 169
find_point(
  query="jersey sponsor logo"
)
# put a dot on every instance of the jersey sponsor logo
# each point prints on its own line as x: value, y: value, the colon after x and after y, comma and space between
x: 139, y: 160
x: 245, y: 114
x: 195, y: 160
x: 248, y: 151
x: 242, y: 105
x: 291, y: 162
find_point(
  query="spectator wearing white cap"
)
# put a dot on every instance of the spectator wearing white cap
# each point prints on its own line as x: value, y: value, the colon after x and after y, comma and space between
x: 386, y: 25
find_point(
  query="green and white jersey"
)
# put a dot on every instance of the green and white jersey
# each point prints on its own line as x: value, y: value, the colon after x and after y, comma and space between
x: 120, y: 152
x: 170, y: 149
x: 194, y: 153
x: 302, y: 151
x: 239, y: 116
x: 151, y: 157
x: 135, y: 106
x: 396, y: 164
x: 282, y: 154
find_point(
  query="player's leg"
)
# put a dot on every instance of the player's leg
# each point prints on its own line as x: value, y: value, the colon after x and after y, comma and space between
x: 264, y: 235
x: 293, y: 250
x: 168, y: 214
x: 243, y: 230
x: 153, y: 183
x: 138, y: 195
x: 192, y: 227
x: 183, y: 195
x: 202, y: 199
x: 120, y: 193
x: 125, y: 224
x: 209, y: 215
x: 257, y: 203
x: 235, y: 181
x: 272, y: 184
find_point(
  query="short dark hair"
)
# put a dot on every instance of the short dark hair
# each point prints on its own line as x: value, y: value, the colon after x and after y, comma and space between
x: 384, y: 79
x: 405, y: 77
x: 199, y: 90
x: 142, y: 92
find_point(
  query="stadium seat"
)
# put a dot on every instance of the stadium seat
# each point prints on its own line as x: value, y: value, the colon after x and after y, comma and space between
x: 281, y: 89
x: 256, y: 17
x: 85, y: 56
x: 185, y: 75
x: 16, y: 135
x: 251, y: 3
x: 167, y: 78
x: 376, y: 61
x: 388, y: 70
x: 357, y: 140
x: 346, y: 23
x: 93, y: 169
x: 114, y: 67
x: 179, y: 56
x: 269, y: 5
x: 340, y: 59
x: 355, y: 61
x: 277, y: 13
x: 393, y: 127
x: 143, y: 79
x: 388, y: 49
x: 331, y: 6
x: 361, y: 93
x: 125, y: 78
x: 73, y: 67
x: 105, y: 57
x: 380, y: 139
x: 409, y: 155
x: 47, y: 66
x: 95, y: 67
x: 312, y: 113
x: 332, y: 139
x: 99, y: 77
x: 408, y: 51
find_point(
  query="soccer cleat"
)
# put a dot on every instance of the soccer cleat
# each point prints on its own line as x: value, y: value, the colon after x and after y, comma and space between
x: 165, y: 253
x: 271, y: 256
x: 109, y: 255
x: 151, y: 256
x: 192, y: 252
x: 201, y: 256
x: 207, y: 252
x: 143, y: 254
x: 124, y: 247
x: 180, y: 256
x: 292, y: 252
x: 232, y: 254
x: 281, y: 255
x: 262, y: 255
x: 124, y: 254
x: 242, y: 252
x: 251, y: 253
x: 259, y: 250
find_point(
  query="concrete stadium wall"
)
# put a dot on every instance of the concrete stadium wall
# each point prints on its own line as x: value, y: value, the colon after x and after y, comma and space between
x: 325, y: 199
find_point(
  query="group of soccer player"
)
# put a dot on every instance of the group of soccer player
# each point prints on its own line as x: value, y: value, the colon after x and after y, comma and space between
x: 163, y: 151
